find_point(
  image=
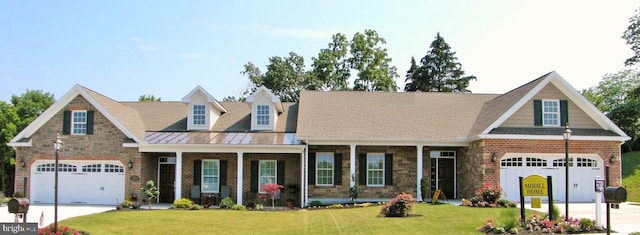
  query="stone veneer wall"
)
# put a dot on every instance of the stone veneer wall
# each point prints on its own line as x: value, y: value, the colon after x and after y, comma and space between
x: 105, y: 144
x: 479, y: 154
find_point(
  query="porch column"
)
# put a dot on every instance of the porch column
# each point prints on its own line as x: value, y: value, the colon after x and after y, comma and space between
x: 304, y: 172
x: 419, y: 172
x: 178, y: 181
x: 239, y: 178
x: 352, y: 166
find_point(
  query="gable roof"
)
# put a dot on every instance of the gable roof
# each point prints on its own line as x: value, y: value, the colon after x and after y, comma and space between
x: 500, y: 109
x: 209, y: 97
x: 124, y: 118
x: 274, y: 99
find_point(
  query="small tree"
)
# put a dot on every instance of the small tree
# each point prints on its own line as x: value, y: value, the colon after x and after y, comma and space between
x: 400, y: 206
x: 272, y: 190
x: 353, y: 191
x: 151, y: 191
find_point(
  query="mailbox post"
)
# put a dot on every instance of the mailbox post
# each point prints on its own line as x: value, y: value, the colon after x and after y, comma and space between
x: 613, y: 195
x: 599, y: 188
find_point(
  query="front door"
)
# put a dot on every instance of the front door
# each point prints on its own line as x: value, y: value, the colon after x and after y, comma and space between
x: 443, y: 173
x: 167, y: 183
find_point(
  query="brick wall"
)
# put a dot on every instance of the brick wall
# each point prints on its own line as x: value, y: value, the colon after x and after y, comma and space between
x: 104, y: 144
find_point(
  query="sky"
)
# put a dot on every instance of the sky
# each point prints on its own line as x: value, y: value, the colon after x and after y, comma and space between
x: 125, y: 49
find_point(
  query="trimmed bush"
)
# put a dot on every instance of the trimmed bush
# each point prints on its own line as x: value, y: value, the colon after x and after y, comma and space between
x: 226, y: 202
x: 238, y: 207
x: 183, y: 203
x: 400, y: 206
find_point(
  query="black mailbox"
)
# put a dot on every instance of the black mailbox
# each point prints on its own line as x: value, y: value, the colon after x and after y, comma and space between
x: 615, y: 195
x: 18, y: 205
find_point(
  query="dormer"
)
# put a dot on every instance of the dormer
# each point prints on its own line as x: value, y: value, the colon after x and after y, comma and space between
x: 203, y: 111
x: 265, y: 107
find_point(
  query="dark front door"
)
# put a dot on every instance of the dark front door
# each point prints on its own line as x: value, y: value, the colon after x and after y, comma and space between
x: 167, y: 183
x: 443, y: 176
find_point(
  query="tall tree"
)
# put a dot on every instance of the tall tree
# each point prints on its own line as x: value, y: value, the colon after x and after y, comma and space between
x: 148, y: 98
x: 411, y: 86
x: 14, y: 117
x: 632, y: 36
x: 372, y: 63
x: 330, y: 70
x: 285, y: 76
x: 439, y: 71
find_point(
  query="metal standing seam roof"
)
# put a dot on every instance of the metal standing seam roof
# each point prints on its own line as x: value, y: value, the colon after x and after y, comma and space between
x: 230, y: 138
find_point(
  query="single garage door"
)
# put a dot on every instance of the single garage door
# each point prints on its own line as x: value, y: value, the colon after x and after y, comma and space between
x: 581, y: 174
x: 79, y: 182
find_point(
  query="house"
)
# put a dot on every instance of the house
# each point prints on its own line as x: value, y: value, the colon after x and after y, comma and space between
x: 383, y: 143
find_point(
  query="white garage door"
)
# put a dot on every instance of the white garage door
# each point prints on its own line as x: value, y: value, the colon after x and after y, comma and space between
x: 581, y: 174
x: 79, y: 182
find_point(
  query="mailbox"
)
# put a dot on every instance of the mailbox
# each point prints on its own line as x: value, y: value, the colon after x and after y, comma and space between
x: 599, y: 184
x: 18, y: 205
x: 615, y: 195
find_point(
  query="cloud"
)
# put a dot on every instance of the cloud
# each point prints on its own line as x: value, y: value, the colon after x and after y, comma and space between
x: 138, y: 39
x: 299, y: 33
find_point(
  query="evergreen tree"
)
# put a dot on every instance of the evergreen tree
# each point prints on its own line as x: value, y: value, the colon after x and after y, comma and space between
x: 439, y: 71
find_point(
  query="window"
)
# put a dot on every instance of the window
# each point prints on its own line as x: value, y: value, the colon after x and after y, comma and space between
x: 515, y: 161
x: 263, y: 115
x: 550, y: 113
x: 267, y: 173
x: 199, y: 115
x: 92, y: 168
x: 112, y: 168
x: 375, y: 169
x: 79, y: 123
x: 560, y: 162
x: 585, y: 162
x: 210, y: 176
x: 532, y: 161
x: 324, y: 169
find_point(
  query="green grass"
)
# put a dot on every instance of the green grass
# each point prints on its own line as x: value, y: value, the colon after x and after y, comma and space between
x: 631, y: 175
x: 431, y: 219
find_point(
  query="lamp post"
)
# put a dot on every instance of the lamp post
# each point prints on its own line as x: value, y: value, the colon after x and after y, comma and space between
x: 56, y: 144
x: 566, y: 135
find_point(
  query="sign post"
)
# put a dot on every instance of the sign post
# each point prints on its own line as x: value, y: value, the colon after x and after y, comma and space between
x: 535, y: 185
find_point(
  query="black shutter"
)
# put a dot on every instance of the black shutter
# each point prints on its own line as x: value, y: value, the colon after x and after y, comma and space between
x: 362, y: 167
x: 254, y: 176
x: 388, y: 169
x: 537, y: 112
x: 66, y: 122
x: 90, y: 122
x: 312, y: 168
x: 337, y: 170
x: 564, y: 112
x: 223, y: 173
x: 280, y: 173
x: 197, y: 171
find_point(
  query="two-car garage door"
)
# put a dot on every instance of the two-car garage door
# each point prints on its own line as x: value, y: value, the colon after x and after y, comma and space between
x: 583, y: 168
x: 79, y: 182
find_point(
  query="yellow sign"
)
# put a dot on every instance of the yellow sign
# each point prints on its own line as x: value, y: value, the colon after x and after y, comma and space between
x: 534, y: 185
x: 436, y: 195
x: 536, y: 202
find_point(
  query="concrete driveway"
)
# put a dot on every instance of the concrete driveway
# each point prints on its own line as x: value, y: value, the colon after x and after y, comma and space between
x: 47, y: 210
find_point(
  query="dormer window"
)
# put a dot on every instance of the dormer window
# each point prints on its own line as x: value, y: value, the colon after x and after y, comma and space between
x: 263, y: 115
x: 199, y: 115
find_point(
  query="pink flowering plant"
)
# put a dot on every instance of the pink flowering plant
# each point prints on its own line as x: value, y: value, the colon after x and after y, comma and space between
x: 272, y: 190
x: 62, y: 229
x: 488, y: 196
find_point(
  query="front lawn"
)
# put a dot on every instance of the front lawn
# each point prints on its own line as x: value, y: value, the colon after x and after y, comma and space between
x: 431, y: 219
x: 631, y: 175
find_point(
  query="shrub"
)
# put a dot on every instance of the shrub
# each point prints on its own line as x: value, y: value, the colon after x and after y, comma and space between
x: 195, y: 207
x: 556, y: 212
x: 226, y: 202
x: 315, y: 203
x: 151, y: 191
x: 251, y: 205
x: 126, y: 204
x: 489, y: 192
x: 62, y: 229
x: 509, y: 219
x: 237, y: 207
x: 400, y: 206
x: 335, y: 206
x: 183, y: 203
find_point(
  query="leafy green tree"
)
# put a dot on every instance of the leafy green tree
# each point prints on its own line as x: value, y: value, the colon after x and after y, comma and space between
x: 148, y: 98
x: 632, y: 36
x: 331, y: 70
x: 285, y: 76
x: 372, y: 63
x: 14, y: 117
x: 439, y: 71
x: 613, y: 89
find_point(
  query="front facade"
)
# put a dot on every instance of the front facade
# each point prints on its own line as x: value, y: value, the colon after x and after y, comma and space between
x: 380, y: 143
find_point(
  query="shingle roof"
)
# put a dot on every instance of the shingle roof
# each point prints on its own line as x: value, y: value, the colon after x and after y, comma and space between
x: 126, y: 115
x: 388, y: 115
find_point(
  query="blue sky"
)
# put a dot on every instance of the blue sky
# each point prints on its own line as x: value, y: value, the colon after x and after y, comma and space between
x: 124, y: 49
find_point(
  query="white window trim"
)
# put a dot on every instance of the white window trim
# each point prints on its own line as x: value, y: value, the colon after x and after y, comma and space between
x: 383, y: 169
x: 73, y: 122
x: 556, y: 113
x: 275, y: 175
x: 204, y: 115
x: 202, y: 175
x: 333, y: 165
